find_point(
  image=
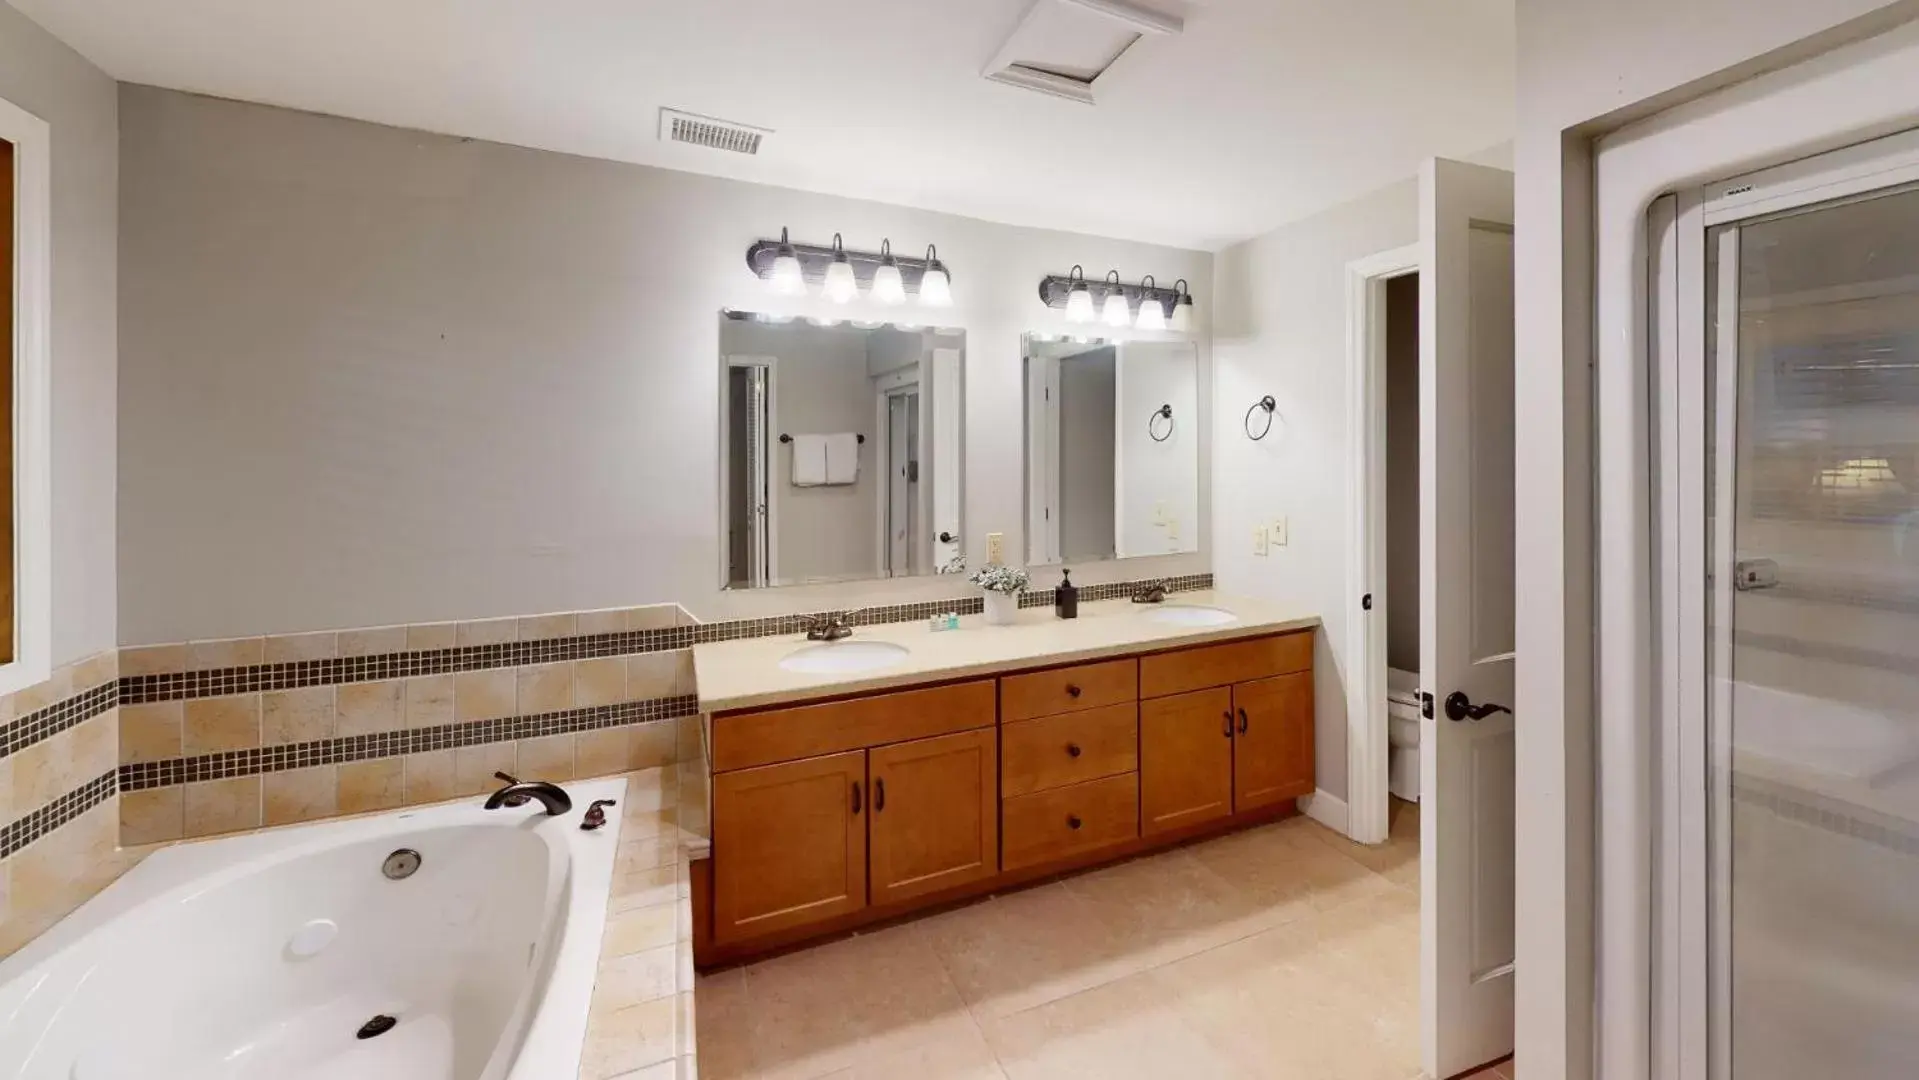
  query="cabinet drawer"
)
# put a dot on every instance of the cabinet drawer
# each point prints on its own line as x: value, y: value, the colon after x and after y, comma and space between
x: 1055, y: 751
x: 1052, y: 825
x: 744, y: 740
x: 1177, y: 672
x: 1068, y: 689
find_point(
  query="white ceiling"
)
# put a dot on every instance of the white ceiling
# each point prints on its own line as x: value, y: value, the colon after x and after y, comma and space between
x: 1261, y: 112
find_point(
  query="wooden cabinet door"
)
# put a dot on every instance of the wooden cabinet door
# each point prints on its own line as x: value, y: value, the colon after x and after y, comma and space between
x: 1273, y: 740
x: 1185, y: 760
x: 789, y: 845
x: 935, y: 817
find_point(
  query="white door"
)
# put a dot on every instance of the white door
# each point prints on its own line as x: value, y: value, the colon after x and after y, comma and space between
x: 1466, y: 605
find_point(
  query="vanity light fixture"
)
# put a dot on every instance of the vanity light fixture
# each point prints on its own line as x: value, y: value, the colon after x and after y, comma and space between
x: 1115, y: 312
x: 1079, y: 301
x: 1151, y: 315
x: 888, y: 287
x: 1182, y: 308
x: 841, y: 286
x: 789, y: 278
x: 936, y: 287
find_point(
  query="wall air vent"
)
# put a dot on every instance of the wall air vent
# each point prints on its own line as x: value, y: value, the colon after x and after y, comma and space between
x: 696, y: 130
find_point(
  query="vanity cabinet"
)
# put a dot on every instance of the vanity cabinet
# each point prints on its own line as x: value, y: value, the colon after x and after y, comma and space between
x: 795, y: 841
x: 1186, y: 757
x: 1272, y: 740
x: 935, y: 817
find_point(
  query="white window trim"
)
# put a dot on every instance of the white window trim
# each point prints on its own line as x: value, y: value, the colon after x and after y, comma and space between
x: 1849, y: 95
x: 32, y: 378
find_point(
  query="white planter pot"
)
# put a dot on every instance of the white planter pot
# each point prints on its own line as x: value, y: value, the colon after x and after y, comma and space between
x: 1002, y: 608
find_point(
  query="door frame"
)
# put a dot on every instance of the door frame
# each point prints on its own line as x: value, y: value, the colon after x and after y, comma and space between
x: 1368, y: 803
x: 30, y: 355
x: 885, y: 389
x: 1852, y: 94
x: 772, y: 366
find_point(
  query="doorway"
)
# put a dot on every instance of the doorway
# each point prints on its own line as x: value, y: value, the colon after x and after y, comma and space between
x: 748, y: 421
x: 1401, y: 581
x: 900, y: 510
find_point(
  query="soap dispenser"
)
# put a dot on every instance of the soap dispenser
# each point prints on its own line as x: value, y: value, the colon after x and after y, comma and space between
x: 1066, y: 597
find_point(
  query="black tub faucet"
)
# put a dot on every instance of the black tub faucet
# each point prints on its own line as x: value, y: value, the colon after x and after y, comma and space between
x: 517, y: 792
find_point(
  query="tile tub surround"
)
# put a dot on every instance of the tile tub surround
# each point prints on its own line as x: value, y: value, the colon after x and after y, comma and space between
x: 747, y: 674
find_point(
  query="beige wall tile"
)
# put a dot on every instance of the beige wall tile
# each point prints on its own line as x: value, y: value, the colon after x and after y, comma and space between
x: 692, y: 746
x: 378, y: 784
x: 429, y: 701
x: 299, y: 795
x: 549, y: 757
x: 632, y: 978
x: 62, y: 869
x: 55, y: 766
x: 653, y: 617
x: 367, y: 707
x: 545, y: 688
x: 6, y: 808
x: 602, y: 752
x: 221, y: 723
x: 429, y: 777
x: 484, y: 695
x: 57, y: 687
x: 439, y: 635
x: 231, y: 652
x: 474, y: 766
x: 151, y: 732
x: 291, y: 716
x: 541, y: 627
x: 654, y: 743
x: 640, y: 929
x: 599, y: 682
x: 218, y: 806
x: 152, y: 816
x: 290, y: 648
x: 605, y: 621
x: 659, y: 674
x: 621, y: 1041
x: 96, y: 670
x: 373, y: 640
x: 489, y: 632
x: 154, y: 660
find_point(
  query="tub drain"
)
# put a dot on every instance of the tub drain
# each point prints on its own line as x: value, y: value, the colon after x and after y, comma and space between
x: 400, y: 864
x: 379, y: 1025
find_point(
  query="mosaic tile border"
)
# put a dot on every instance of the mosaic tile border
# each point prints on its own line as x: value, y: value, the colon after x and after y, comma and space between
x: 381, y: 744
x: 25, y: 830
x: 47, y: 722
x: 174, y: 686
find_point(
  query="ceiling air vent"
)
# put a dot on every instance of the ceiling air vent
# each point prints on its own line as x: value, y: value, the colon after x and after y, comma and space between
x: 686, y: 127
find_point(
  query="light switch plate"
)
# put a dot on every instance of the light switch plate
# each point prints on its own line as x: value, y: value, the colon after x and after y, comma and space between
x: 1278, y: 532
x: 995, y: 547
x: 1259, y: 539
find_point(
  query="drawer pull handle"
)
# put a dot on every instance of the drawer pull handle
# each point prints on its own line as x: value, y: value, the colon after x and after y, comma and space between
x: 1072, y: 690
x: 1072, y: 821
x: 1228, y: 729
x: 879, y: 794
x: 1242, y: 721
x: 1072, y: 749
x: 856, y: 798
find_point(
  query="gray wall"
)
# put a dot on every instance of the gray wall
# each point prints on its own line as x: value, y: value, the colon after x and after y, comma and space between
x: 373, y: 375
x: 1402, y: 473
x: 79, y: 103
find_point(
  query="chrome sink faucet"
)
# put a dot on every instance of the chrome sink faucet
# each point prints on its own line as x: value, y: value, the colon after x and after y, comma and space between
x: 832, y: 626
x: 1150, y: 592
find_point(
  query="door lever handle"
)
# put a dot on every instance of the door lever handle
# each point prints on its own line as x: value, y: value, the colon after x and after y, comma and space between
x: 1461, y: 707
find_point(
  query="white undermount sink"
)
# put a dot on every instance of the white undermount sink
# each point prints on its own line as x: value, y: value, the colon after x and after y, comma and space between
x: 843, y: 657
x: 1190, y: 615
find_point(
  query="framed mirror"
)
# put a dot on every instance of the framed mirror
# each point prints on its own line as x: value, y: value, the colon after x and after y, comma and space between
x: 1112, y: 449
x: 840, y: 451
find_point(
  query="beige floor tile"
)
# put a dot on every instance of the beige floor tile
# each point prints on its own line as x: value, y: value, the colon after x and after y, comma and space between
x: 1027, y: 948
x: 1129, y: 1028
x: 725, y: 1028
x: 956, y: 1052
x: 1168, y: 906
x: 1288, y: 869
x: 1397, y: 860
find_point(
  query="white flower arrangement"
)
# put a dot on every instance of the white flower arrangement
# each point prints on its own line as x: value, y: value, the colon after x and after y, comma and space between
x: 1000, y: 579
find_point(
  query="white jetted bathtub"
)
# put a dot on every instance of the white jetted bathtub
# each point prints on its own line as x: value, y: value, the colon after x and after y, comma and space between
x: 268, y: 955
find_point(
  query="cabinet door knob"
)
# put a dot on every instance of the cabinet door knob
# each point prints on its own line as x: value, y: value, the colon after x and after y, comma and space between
x: 1227, y: 730
x: 1242, y: 721
x: 1072, y: 690
x: 856, y: 797
x: 1072, y: 821
x: 1072, y: 749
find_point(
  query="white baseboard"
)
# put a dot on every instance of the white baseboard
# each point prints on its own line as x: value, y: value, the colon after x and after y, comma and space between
x: 1328, y: 810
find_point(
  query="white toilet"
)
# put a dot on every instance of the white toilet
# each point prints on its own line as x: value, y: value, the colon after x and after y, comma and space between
x: 1402, y: 733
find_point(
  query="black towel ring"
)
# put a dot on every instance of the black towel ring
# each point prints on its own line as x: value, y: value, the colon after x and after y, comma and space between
x: 1270, y: 406
x: 1152, y: 428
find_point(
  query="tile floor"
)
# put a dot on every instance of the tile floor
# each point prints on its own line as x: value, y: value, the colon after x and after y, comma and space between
x: 1284, y: 951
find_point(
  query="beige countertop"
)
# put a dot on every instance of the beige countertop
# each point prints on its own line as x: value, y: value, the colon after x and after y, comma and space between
x: 747, y: 673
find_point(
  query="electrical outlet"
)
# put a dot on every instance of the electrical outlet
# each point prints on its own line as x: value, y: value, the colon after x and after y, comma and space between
x: 1259, y: 539
x: 1278, y: 532
x: 1172, y: 528
x: 995, y: 547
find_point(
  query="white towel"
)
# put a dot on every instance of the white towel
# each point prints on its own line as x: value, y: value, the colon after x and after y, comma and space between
x: 842, y: 458
x: 809, y: 460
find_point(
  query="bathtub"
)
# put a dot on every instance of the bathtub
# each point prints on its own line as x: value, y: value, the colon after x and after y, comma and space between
x: 265, y: 955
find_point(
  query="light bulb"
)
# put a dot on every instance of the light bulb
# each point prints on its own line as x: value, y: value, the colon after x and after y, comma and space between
x: 789, y: 277
x: 1115, y: 312
x: 1079, y: 304
x: 936, y: 287
x: 840, y: 283
x: 1183, y: 314
x: 888, y: 286
x: 1151, y: 315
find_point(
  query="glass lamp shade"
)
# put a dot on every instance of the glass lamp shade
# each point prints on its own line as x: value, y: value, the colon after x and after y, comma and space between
x: 1079, y: 304
x: 1151, y: 315
x: 888, y: 286
x: 1115, y: 311
x: 841, y: 286
x: 936, y: 288
x: 788, y: 278
x: 1183, y: 314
